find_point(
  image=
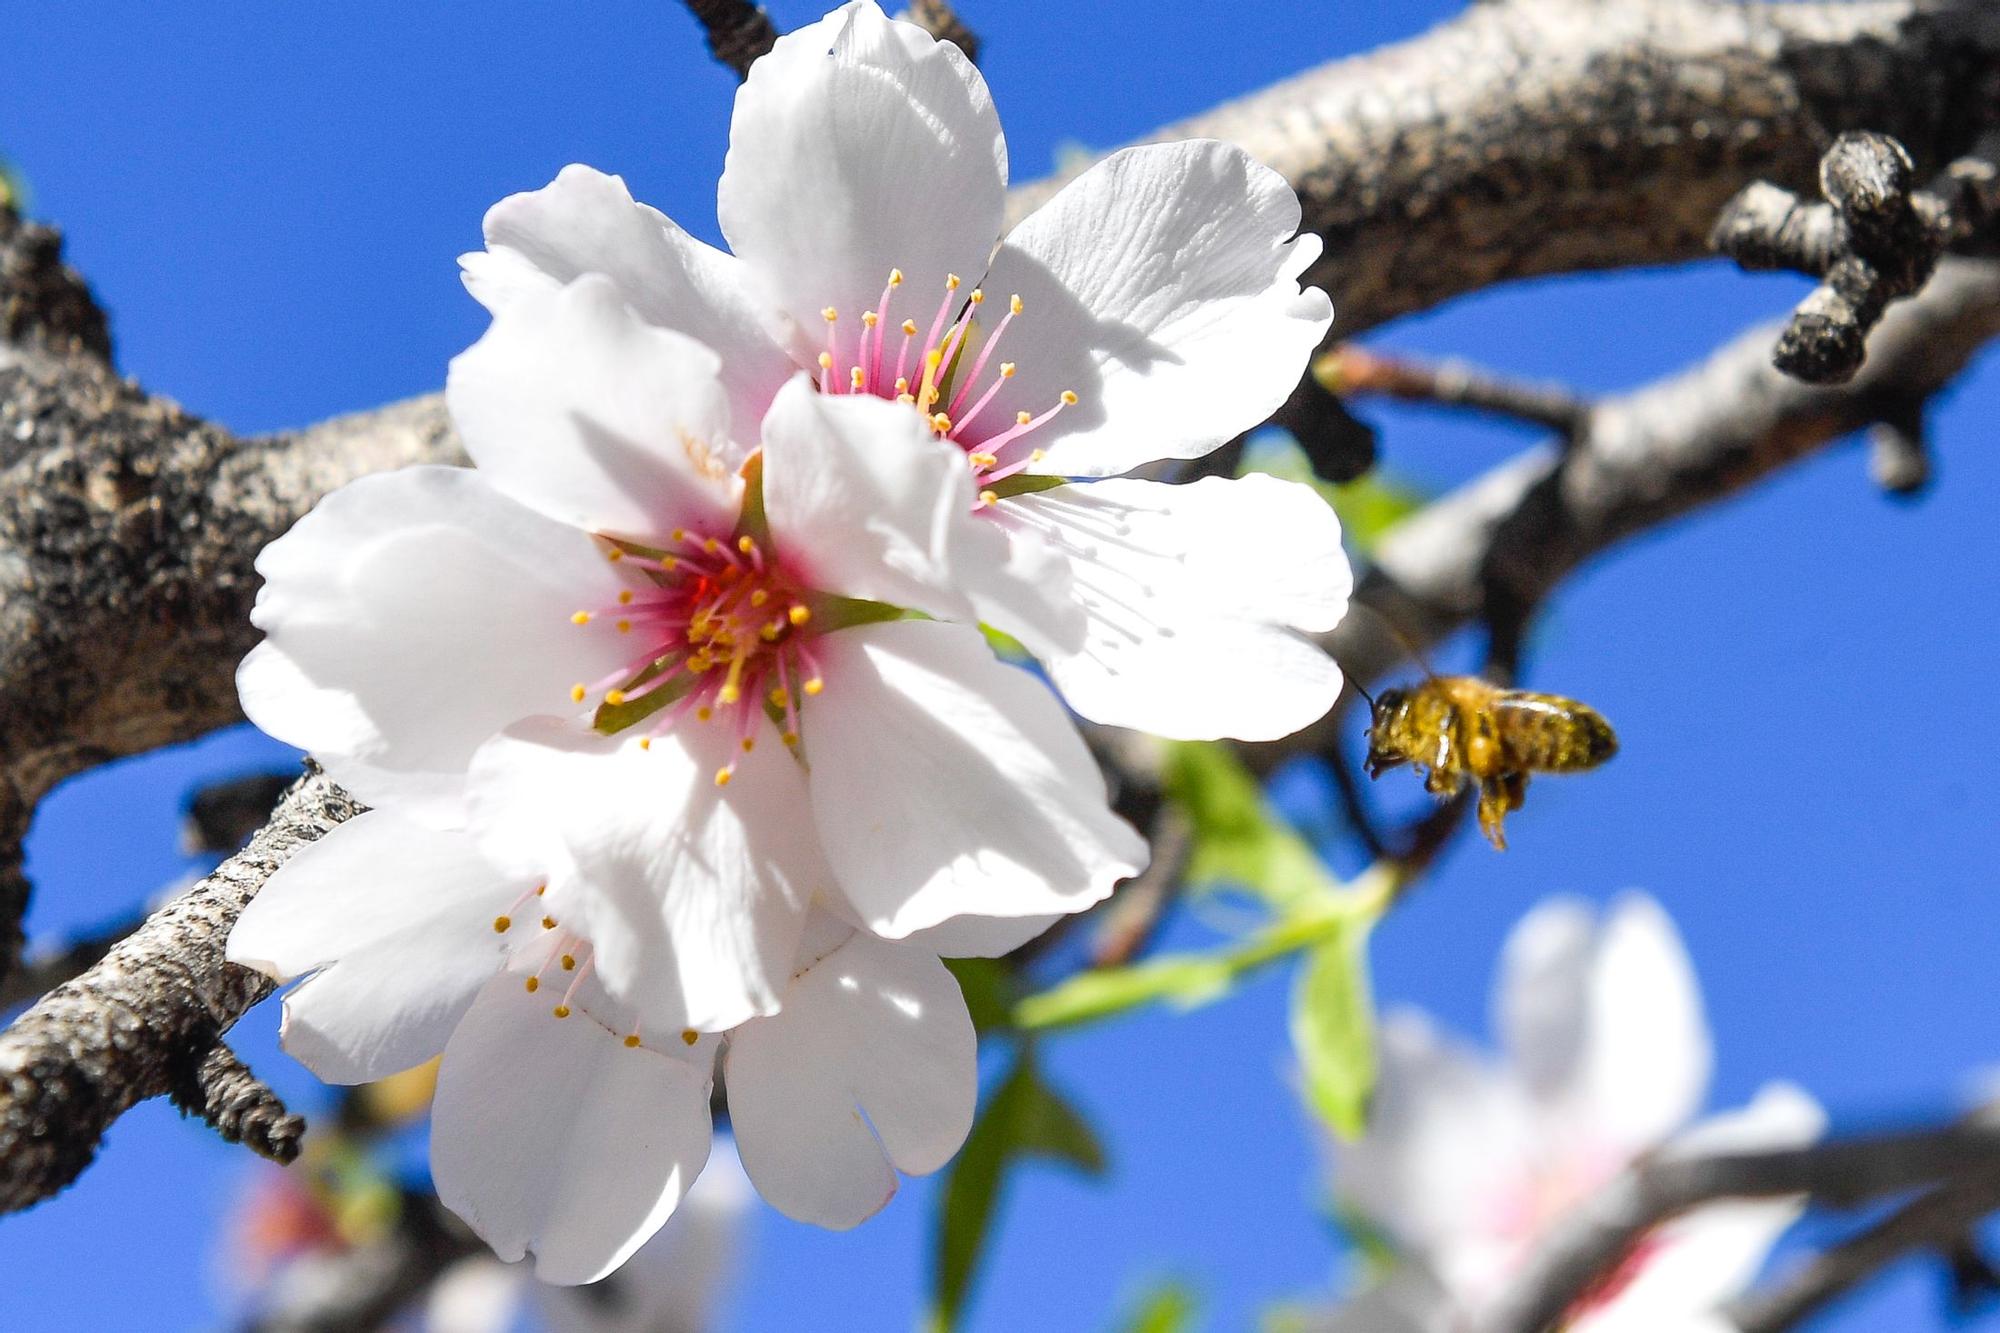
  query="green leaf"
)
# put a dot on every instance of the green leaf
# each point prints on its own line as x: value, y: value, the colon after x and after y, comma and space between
x: 1333, y: 1028
x: 13, y: 187
x: 1169, y: 1306
x: 1237, y: 840
x: 1024, y: 1118
x: 988, y: 986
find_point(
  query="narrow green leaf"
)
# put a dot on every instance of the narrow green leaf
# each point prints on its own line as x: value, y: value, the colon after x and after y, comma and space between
x: 1237, y: 840
x: 1333, y: 1028
x: 1024, y: 1118
x: 1169, y: 1306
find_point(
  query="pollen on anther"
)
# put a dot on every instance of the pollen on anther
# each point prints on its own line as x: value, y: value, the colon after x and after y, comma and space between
x: 569, y: 962
x: 951, y: 282
x: 703, y: 713
x: 541, y: 889
x: 624, y: 627
x: 711, y: 545
x: 759, y: 597
x: 576, y: 693
x: 645, y: 742
x: 501, y: 923
x: 909, y: 328
x: 829, y: 314
x: 749, y: 744
x: 826, y: 360
x: 1014, y: 304
x: 978, y: 296
x: 778, y: 696
x: 614, y: 697
x: 1037, y: 455
x: 855, y: 377
x: 722, y: 777
x: 815, y: 685
x: 745, y: 544
x: 624, y: 597
x: 869, y: 319
x: 988, y: 498
x: 1023, y: 418
x: 580, y: 618
x: 548, y: 923
x: 534, y: 984
x: 1069, y: 397
x: 690, y: 1036
x: 799, y: 614
x: 790, y: 738
x: 942, y: 423
x: 614, y: 555
x: 561, y: 1011
x: 982, y: 460
x: 631, y: 1041
x: 1006, y: 370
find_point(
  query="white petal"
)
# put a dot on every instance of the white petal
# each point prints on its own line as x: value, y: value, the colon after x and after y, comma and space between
x: 979, y: 936
x: 1541, y: 1002
x: 1645, y: 1069
x: 1162, y: 287
x: 1407, y: 1300
x: 410, y: 616
x: 861, y: 145
x: 1191, y: 596
x: 874, y: 1029
x: 1444, y: 1152
x: 1708, y: 1256
x: 398, y: 921
x: 866, y: 502
x: 574, y: 405
x: 692, y: 894
x: 550, y: 1135
x: 946, y: 783
x: 587, y: 222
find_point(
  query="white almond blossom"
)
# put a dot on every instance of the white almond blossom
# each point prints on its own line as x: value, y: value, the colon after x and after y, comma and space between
x: 565, y: 1124
x: 1467, y: 1163
x: 1150, y: 310
x: 624, y: 652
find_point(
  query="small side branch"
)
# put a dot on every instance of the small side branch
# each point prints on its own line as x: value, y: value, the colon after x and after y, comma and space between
x: 147, y: 1021
x: 1352, y: 369
x: 1875, y: 240
x: 939, y: 19
x: 738, y: 31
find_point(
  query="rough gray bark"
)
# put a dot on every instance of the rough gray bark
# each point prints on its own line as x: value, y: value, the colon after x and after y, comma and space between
x: 149, y: 1020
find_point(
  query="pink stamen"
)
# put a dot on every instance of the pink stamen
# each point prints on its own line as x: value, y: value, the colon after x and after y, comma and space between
x: 979, y: 368
x: 1015, y: 432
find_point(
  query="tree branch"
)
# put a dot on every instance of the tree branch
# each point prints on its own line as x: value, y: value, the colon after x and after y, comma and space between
x: 149, y: 1020
x: 738, y: 31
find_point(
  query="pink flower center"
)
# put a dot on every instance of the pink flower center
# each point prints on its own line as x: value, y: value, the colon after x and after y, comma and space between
x: 940, y: 376
x: 720, y: 636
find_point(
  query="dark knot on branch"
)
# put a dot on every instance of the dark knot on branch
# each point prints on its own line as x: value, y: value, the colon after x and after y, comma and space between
x: 1876, y: 239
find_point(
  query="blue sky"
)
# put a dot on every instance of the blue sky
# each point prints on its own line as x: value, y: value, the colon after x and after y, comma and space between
x: 270, y: 200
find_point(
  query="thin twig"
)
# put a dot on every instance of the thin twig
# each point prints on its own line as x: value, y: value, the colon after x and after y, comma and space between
x: 738, y: 31
x: 1355, y: 370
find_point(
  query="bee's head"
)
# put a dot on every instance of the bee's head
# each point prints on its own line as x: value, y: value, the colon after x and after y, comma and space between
x: 1386, y: 705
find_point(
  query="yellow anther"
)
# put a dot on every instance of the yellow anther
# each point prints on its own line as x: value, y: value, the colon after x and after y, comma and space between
x: 1037, y: 455
x: 561, y: 1011
x: 895, y: 277
x: 614, y: 697
x: 909, y: 328
x: 710, y: 545
x: 981, y: 460
x: 728, y: 694
x: 779, y: 696
x: 902, y: 384
x: 977, y: 296
x: 501, y: 923
x: 790, y: 738
x: 614, y: 555
x: 799, y: 614
x: 829, y: 314
x: 548, y: 923
x: 569, y: 962
x: 826, y: 360
x: 745, y: 545
x: 951, y: 282
x: 988, y: 498
x: 722, y: 776
x: 690, y: 1036
x: 906, y: 398
x: 631, y: 1041
x: 645, y: 742
x: 534, y: 984
x: 854, y: 377
x: 680, y: 534
x: 1069, y: 397
x: 624, y: 597
x: 941, y: 423
x: 770, y: 632
x: 1006, y: 370
x: 541, y: 889
x: 703, y: 713
x: 815, y: 685
x: 1023, y: 418
x: 699, y: 663
x: 670, y: 563
x: 1014, y: 304
x: 624, y: 627
x: 869, y: 319
x: 749, y: 744
x: 580, y: 618
x: 759, y: 597
x: 576, y: 693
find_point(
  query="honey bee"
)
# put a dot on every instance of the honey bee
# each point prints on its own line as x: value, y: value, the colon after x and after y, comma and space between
x: 1461, y: 727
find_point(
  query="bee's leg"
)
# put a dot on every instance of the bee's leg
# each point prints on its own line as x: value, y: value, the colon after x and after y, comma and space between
x: 1380, y: 761
x: 1496, y: 797
x: 1516, y: 786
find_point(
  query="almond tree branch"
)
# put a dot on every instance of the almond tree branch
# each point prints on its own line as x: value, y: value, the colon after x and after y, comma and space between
x: 738, y: 31
x: 1841, y: 1173
x: 149, y: 1020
